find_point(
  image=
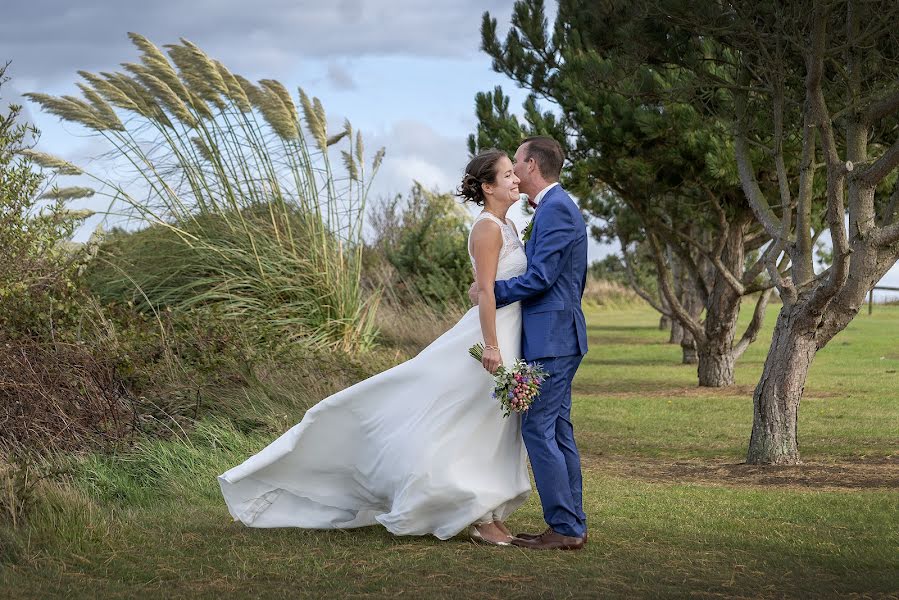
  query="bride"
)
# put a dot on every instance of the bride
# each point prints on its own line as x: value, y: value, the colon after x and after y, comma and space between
x: 421, y: 448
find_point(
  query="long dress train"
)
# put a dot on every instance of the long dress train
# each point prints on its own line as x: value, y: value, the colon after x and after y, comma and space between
x: 420, y: 448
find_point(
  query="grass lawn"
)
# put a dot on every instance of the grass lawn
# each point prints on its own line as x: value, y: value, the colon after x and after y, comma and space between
x: 672, y: 511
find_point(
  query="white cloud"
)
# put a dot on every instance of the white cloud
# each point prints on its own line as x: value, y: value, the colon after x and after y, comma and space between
x: 398, y: 175
x: 417, y: 151
x: 49, y: 42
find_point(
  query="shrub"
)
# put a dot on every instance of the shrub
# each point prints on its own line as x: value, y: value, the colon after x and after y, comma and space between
x: 61, y: 396
x: 260, y: 224
x: 241, y: 278
x: 424, y: 238
x: 39, y: 290
x: 611, y: 268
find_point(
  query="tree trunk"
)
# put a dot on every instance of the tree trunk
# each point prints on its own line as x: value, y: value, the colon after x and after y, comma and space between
x: 776, y: 399
x: 715, y: 369
x: 691, y: 300
x: 688, y: 349
x: 693, y: 306
x: 664, y: 323
x: 677, y: 328
x: 716, y: 356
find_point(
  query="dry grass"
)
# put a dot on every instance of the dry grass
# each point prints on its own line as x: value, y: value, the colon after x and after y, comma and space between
x: 609, y: 294
x: 56, y: 396
x: 410, y: 328
x: 672, y: 513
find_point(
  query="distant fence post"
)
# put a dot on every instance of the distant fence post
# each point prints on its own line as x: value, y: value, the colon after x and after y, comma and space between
x: 871, y: 295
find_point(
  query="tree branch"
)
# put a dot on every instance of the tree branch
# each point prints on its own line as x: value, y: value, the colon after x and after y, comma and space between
x: 746, y: 169
x: 803, y: 245
x: 715, y: 255
x: 783, y: 183
x: 785, y: 285
x: 772, y: 251
x: 884, y: 108
x: 755, y: 289
x: 756, y: 240
x: 887, y: 236
x: 664, y: 275
x: 888, y: 216
x: 836, y: 172
x: 882, y: 167
x: 671, y: 235
x: 632, y: 279
x: 755, y: 325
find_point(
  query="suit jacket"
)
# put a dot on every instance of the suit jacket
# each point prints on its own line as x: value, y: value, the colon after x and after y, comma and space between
x: 551, y: 289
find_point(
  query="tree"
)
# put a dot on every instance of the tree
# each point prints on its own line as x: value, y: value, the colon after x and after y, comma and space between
x: 826, y: 73
x: 634, y: 151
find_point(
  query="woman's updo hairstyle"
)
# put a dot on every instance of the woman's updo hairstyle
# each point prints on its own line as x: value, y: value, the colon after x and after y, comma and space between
x: 480, y: 170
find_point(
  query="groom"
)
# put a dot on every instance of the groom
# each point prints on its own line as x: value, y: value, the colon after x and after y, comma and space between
x: 555, y: 335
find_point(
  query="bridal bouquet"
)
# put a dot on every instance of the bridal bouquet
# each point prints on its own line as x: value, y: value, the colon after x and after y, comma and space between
x: 516, y: 388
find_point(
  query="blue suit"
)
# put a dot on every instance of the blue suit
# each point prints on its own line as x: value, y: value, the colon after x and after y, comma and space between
x: 555, y: 335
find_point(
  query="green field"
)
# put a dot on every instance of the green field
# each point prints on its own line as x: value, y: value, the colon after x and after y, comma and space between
x: 672, y: 512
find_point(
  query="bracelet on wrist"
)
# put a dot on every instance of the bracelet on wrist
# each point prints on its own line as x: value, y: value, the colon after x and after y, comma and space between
x: 489, y: 347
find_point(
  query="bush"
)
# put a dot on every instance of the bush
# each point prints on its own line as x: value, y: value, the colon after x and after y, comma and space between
x: 241, y: 277
x: 60, y: 395
x: 54, y: 391
x: 611, y: 268
x: 424, y: 240
x: 263, y: 228
x: 39, y: 290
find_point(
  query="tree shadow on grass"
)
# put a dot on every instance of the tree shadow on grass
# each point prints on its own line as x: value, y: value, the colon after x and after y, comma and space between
x: 635, y: 362
x: 873, y: 473
x: 628, y: 328
x: 641, y: 388
x: 622, y: 340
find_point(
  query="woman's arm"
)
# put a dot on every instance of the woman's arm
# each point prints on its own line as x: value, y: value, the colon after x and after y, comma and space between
x: 486, y: 244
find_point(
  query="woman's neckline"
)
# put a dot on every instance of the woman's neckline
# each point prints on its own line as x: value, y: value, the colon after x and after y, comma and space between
x: 503, y: 221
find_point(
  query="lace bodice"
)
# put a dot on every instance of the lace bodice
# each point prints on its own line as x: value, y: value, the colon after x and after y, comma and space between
x: 512, y: 259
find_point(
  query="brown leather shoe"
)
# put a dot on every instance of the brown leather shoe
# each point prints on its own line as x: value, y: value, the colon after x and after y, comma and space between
x: 534, y: 536
x: 550, y: 540
x: 531, y: 536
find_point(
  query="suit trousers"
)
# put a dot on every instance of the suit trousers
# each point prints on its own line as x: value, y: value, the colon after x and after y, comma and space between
x: 549, y: 437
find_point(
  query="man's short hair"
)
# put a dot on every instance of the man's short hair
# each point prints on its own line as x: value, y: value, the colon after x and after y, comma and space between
x: 548, y: 154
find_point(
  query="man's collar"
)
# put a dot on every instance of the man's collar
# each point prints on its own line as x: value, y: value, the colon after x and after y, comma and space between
x: 542, y: 193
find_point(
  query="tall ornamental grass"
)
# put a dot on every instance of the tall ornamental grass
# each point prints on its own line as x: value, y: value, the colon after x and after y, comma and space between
x: 255, y: 208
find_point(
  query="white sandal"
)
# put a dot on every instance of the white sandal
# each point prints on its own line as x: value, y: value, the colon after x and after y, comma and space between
x: 476, y: 536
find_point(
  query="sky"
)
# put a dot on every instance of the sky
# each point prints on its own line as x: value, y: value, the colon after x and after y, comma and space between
x: 404, y: 72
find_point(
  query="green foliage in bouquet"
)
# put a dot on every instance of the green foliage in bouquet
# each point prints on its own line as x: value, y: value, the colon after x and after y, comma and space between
x: 515, y: 388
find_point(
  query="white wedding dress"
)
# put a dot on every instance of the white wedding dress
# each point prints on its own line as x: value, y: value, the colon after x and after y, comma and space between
x: 420, y: 448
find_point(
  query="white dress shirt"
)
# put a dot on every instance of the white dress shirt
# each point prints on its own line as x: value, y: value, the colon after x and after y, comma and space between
x: 542, y: 193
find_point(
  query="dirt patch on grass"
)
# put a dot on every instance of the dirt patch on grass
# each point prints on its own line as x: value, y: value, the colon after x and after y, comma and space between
x: 649, y: 389
x: 858, y: 474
